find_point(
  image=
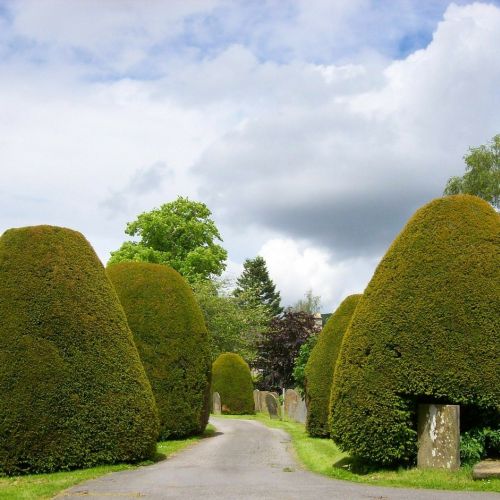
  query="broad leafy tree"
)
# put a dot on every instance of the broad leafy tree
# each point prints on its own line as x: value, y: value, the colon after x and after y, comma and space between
x: 482, y: 174
x: 310, y: 303
x: 233, y: 327
x: 299, y: 376
x: 181, y: 234
x: 280, y: 345
x: 255, y: 286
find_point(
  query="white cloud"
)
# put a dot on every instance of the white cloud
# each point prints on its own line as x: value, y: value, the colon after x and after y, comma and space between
x: 297, y: 267
x: 116, y: 33
x: 291, y: 123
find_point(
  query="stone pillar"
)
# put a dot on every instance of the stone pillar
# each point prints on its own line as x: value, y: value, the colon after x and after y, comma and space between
x: 438, y: 436
x: 216, y: 404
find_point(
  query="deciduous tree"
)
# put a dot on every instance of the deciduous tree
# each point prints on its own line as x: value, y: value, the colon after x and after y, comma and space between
x: 482, y: 174
x: 180, y: 233
x: 233, y: 327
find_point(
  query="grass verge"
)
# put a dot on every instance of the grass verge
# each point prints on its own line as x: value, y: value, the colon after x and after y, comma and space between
x: 323, y: 457
x: 44, y: 486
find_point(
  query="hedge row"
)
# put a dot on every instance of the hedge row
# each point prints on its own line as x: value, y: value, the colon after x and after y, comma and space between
x: 320, y: 367
x: 170, y: 334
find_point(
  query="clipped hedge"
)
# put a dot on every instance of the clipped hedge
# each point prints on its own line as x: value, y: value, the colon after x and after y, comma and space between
x: 233, y: 381
x: 173, y: 343
x: 321, y: 365
x: 73, y: 390
x: 427, y: 329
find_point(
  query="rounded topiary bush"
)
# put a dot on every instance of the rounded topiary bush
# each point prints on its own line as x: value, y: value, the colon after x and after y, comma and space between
x: 173, y: 343
x: 231, y: 378
x: 321, y: 365
x: 427, y: 329
x: 73, y: 390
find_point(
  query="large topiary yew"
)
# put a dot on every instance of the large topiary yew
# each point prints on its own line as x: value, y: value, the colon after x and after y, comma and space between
x: 170, y: 333
x: 321, y: 365
x: 427, y: 329
x: 73, y: 391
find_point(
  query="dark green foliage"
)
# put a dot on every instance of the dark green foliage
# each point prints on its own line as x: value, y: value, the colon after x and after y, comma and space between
x: 73, y: 390
x: 477, y: 444
x: 320, y: 368
x: 255, y: 286
x: 173, y: 343
x: 231, y: 378
x: 427, y: 329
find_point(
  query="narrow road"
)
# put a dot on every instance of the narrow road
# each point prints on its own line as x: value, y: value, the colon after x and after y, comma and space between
x: 244, y: 460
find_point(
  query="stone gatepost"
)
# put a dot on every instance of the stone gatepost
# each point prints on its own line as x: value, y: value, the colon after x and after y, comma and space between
x: 438, y: 436
x: 217, y: 409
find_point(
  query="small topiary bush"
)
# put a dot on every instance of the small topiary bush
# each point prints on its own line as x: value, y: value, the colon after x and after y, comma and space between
x: 73, y: 390
x: 321, y: 364
x: 173, y: 342
x: 233, y: 381
x: 427, y: 329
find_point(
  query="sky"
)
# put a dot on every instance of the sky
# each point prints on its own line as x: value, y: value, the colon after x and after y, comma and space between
x: 312, y: 129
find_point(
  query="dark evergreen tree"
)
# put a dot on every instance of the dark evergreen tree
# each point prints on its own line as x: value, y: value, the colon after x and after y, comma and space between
x: 255, y: 286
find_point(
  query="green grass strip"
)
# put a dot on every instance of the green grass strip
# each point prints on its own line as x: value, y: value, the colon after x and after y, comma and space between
x: 323, y: 457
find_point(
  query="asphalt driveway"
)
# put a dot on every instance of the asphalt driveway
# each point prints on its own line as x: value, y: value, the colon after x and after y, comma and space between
x: 244, y: 460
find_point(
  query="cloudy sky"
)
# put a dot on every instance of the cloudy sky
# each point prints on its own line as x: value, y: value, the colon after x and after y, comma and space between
x: 312, y: 129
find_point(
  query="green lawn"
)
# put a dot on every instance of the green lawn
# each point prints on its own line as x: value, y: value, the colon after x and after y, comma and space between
x: 322, y: 456
x: 43, y: 486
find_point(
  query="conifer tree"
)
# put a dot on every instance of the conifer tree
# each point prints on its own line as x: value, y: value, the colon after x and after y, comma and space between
x: 255, y: 286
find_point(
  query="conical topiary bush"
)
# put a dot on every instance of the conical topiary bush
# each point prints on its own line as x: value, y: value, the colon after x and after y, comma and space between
x: 73, y: 390
x: 231, y: 378
x: 172, y: 339
x: 321, y: 365
x: 427, y: 329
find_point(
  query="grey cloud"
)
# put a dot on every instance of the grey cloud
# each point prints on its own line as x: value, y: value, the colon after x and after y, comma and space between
x: 348, y: 172
x: 323, y: 175
x: 143, y: 181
